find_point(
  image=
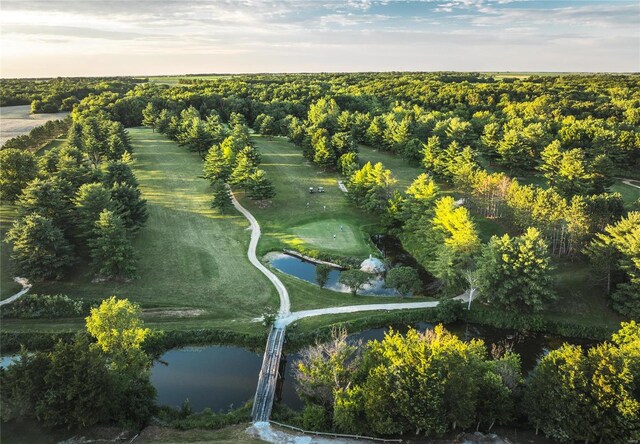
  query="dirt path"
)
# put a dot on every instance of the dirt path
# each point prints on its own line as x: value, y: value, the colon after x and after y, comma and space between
x: 26, y: 286
x: 628, y: 182
x: 285, y: 304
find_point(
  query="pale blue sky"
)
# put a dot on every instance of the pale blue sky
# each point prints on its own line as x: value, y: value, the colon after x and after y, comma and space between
x: 111, y: 37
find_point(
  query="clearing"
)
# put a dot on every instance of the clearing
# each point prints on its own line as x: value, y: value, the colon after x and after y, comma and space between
x: 298, y: 219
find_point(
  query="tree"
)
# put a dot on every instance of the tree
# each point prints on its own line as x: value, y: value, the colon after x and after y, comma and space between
x: 78, y: 387
x: 18, y: 168
x: 119, y: 333
x: 47, y: 198
x: 322, y: 274
x: 411, y: 383
x: 515, y: 273
x: 221, y: 196
x: 403, y: 279
x: 325, y: 368
x: 111, y: 250
x: 216, y: 166
x: 150, y: 116
x: 129, y: 205
x: 617, y: 253
x: 267, y: 126
x: 40, y: 250
x: 90, y: 200
x: 354, y: 279
x: 244, y: 169
x: 260, y: 187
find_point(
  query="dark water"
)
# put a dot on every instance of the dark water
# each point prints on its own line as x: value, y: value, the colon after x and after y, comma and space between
x: 306, y: 271
x: 217, y: 377
x: 396, y: 255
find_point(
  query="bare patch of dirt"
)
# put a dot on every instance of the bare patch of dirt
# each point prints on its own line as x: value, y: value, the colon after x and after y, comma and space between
x: 173, y: 312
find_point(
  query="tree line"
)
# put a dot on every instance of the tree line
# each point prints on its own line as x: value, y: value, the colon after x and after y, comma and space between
x: 101, y: 377
x: 78, y: 200
x: 39, y: 136
x: 432, y: 383
x: 229, y: 154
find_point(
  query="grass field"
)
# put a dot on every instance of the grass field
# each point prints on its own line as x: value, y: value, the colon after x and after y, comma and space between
x: 629, y: 194
x: 402, y: 170
x: 18, y: 120
x: 297, y: 218
x: 7, y: 286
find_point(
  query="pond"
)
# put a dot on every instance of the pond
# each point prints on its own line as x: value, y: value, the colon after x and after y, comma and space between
x: 221, y: 377
x: 306, y: 271
x: 218, y: 377
x: 390, y: 248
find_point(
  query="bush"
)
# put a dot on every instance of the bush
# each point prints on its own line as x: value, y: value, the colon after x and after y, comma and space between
x: 184, y: 419
x: 314, y: 417
x: 449, y: 310
x: 33, y: 306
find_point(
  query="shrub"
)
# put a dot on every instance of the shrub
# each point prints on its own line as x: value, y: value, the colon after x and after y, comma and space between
x: 33, y: 306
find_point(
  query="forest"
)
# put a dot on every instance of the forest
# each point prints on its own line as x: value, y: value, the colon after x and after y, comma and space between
x: 520, y: 185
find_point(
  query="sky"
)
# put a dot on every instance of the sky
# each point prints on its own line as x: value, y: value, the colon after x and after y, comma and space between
x: 153, y: 37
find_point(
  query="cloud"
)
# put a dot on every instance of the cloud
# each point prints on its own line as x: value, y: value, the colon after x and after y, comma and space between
x: 363, y: 33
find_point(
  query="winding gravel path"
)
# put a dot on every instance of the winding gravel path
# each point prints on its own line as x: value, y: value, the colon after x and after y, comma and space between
x: 285, y: 304
x: 628, y: 182
x: 26, y: 286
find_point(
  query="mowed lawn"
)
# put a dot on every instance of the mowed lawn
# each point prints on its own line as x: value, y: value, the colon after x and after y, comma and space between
x: 192, y: 260
x: 297, y: 218
x: 7, y: 285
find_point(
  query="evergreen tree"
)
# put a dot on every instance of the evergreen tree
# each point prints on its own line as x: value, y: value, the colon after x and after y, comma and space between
x: 129, y: 205
x: 216, y: 167
x: 515, y: 273
x: 111, y: 250
x: 40, y: 250
x: 90, y: 200
x: 260, y: 187
x: 150, y: 116
x: 17, y: 169
x: 221, y: 196
x: 242, y: 172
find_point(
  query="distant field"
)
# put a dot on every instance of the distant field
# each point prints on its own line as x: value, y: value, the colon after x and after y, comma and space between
x: 174, y: 80
x: 18, y: 120
x: 289, y: 222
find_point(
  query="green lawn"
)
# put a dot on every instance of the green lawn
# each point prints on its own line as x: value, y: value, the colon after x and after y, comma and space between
x: 629, y: 194
x: 402, y: 170
x: 298, y: 219
x: 190, y: 257
x: 7, y: 286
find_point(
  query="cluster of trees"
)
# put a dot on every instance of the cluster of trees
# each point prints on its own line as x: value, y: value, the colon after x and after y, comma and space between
x: 432, y: 383
x: 59, y: 94
x: 230, y: 154
x: 101, y: 377
x: 83, y: 194
x: 326, y: 137
x: 615, y: 254
x: 39, y: 136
